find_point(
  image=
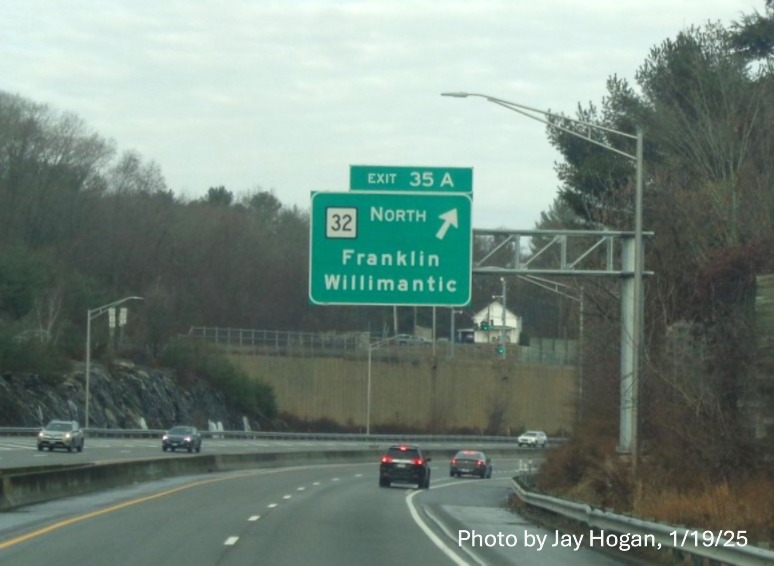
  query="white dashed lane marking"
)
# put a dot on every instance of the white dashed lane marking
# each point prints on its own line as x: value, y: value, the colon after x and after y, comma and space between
x: 231, y: 541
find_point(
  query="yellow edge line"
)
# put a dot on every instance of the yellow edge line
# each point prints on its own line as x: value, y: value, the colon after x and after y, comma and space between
x: 60, y: 524
x: 16, y: 540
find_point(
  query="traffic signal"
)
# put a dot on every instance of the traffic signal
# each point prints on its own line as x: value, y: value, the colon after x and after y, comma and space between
x: 484, y: 325
x: 501, y: 350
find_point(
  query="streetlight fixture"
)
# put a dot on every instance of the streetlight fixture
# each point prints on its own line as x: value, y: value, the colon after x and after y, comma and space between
x: 92, y: 314
x: 629, y: 383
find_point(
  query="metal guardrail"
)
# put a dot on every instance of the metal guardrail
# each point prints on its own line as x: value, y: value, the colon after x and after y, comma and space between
x: 256, y: 435
x: 719, y: 546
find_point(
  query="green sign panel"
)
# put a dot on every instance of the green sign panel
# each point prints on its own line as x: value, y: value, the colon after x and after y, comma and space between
x: 419, y: 179
x: 391, y: 248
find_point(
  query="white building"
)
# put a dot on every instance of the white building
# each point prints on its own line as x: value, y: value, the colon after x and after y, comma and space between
x: 489, y: 322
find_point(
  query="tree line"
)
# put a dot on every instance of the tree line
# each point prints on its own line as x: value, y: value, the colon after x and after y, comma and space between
x: 704, y: 101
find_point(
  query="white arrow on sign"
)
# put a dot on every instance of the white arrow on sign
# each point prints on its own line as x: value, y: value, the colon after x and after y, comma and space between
x: 450, y: 219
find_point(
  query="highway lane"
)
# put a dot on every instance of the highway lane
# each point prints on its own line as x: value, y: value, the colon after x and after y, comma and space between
x: 21, y: 451
x: 323, y: 514
x: 470, y: 515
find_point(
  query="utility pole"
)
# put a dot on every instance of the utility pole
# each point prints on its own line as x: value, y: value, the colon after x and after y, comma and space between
x: 502, y: 338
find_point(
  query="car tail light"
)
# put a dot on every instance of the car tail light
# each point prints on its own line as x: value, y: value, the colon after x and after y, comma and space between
x: 417, y: 461
x: 479, y: 462
x: 386, y: 460
x: 452, y: 460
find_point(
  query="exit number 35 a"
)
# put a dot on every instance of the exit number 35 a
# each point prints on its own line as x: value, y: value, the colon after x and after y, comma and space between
x: 341, y: 222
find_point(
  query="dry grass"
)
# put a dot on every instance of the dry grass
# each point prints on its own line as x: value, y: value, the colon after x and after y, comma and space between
x: 747, y: 506
x: 593, y: 474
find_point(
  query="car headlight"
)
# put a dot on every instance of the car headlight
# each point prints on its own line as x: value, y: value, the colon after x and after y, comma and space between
x: 165, y: 438
x: 67, y: 436
x: 187, y: 439
x: 40, y: 434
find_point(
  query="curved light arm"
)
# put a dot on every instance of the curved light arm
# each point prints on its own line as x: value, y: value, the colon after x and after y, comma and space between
x: 530, y: 112
x: 90, y: 315
x: 94, y: 313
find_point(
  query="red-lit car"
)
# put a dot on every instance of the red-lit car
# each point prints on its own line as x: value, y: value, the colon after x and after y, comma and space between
x: 406, y: 464
x: 471, y: 462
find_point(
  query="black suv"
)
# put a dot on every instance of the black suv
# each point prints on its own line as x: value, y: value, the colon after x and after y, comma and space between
x: 406, y: 464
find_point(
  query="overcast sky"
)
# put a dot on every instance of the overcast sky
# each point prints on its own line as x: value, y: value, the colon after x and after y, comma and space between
x: 285, y: 95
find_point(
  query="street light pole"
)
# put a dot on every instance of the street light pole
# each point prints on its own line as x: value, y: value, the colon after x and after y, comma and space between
x: 91, y: 314
x: 453, y: 312
x: 369, y: 348
x: 503, y: 336
x: 629, y: 379
x: 369, y: 387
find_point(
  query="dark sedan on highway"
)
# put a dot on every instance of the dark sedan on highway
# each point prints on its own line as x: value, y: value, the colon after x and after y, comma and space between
x: 186, y: 437
x: 470, y: 462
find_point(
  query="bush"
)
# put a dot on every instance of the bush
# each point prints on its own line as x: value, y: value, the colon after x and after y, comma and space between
x: 746, y: 505
x: 26, y: 354
x: 193, y: 359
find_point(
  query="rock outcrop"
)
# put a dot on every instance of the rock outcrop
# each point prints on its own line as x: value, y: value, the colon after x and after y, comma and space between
x: 122, y: 395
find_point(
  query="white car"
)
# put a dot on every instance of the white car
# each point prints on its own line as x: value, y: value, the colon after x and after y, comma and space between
x: 533, y: 439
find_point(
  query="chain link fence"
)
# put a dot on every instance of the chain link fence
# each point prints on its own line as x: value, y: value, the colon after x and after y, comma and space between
x: 554, y: 351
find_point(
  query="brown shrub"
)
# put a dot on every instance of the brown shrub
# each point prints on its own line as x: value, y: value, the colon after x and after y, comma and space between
x: 745, y: 506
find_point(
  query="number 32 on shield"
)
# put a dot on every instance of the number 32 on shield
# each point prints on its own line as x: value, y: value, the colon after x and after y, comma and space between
x: 341, y: 222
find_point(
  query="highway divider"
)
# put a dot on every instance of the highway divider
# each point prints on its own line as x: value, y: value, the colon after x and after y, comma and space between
x: 20, y: 487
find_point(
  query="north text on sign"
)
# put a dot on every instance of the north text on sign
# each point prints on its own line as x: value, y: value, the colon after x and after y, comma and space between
x: 382, y: 214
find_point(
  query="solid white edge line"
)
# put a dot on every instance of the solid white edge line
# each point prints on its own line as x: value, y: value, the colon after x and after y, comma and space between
x: 429, y: 533
x: 231, y: 541
x: 450, y: 535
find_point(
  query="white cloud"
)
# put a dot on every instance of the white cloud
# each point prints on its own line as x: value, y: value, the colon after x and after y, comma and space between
x: 287, y: 94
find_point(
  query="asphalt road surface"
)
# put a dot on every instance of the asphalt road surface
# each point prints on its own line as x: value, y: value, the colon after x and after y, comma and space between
x: 322, y: 514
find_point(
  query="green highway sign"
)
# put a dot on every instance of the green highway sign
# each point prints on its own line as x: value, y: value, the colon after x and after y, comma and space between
x: 419, y: 179
x: 391, y: 248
